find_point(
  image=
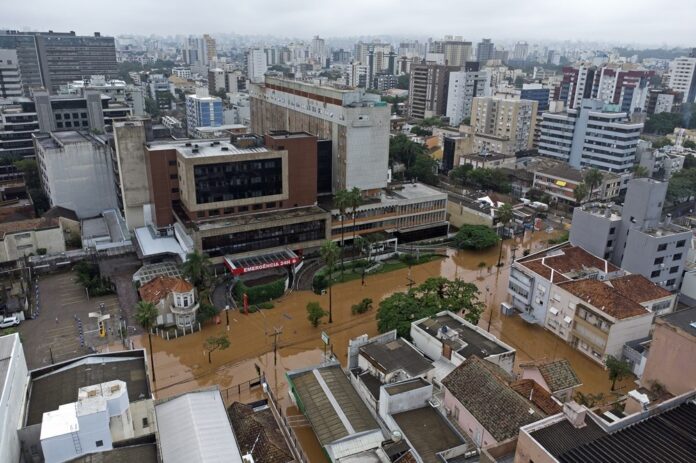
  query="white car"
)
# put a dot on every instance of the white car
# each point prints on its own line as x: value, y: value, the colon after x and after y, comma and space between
x: 9, y: 322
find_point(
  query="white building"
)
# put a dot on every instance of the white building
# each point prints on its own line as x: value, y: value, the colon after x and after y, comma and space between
x: 182, y: 73
x: 76, y: 172
x: 10, y: 76
x: 117, y: 90
x: 256, y: 65
x: 13, y: 385
x: 682, y: 77
x: 26, y: 237
x: 464, y: 86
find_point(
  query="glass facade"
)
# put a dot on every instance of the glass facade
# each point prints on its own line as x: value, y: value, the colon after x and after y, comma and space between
x: 229, y: 181
x: 253, y: 240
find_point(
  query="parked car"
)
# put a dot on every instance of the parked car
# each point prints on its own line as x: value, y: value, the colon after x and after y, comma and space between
x: 9, y: 322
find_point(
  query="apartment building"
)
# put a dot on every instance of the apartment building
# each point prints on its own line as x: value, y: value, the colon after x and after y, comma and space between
x: 590, y: 136
x: 485, y: 50
x: 10, y: 76
x: 635, y: 237
x: 356, y: 123
x: 464, y: 86
x: 663, y: 101
x: 117, y: 90
x: 202, y: 110
x: 682, y: 77
x: 560, y: 180
x: 503, y: 126
x: 17, y: 123
x: 455, y: 49
x: 428, y: 89
x: 256, y: 65
x: 26, y: 237
x: 50, y: 59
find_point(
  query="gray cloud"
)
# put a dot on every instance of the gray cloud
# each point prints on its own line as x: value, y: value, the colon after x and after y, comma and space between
x: 623, y: 21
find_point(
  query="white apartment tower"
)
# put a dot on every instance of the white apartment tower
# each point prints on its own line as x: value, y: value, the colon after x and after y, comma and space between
x: 464, y: 86
x: 682, y: 77
x: 256, y: 65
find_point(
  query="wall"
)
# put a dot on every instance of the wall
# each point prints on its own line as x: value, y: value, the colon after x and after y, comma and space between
x: 129, y: 141
x: 529, y: 451
x: 459, y: 214
x: 641, y: 251
x: 627, y: 330
x: 51, y: 239
x: 159, y: 172
x: 92, y: 428
x: 427, y: 344
x: 409, y: 400
x: 670, y: 350
x: 466, y: 421
x: 565, y: 303
x: 12, y: 401
x: 591, y: 232
x: 302, y: 168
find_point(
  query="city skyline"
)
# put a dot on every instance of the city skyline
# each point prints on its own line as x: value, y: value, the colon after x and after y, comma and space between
x: 501, y: 19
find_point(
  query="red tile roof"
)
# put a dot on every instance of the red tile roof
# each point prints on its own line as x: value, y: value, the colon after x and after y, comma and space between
x: 605, y: 298
x: 531, y: 390
x: 158, y: 288
x: 563, y: 260
x: 639, y: 289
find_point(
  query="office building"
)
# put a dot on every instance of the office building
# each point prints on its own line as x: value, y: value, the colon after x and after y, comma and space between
x: 199, y: 51
x: 503, y: 126
x: 663, y: 101
x: 538, y: 93
x: 210, y: 49
x: 117, y: 90
x: 216, y: 80
x: 17, y: 122
x: 10, y: 77
x: 384, y: 82
x: 428, y: 90
x: 464, y: 86
x: 682, y: 77
x: 356, y: 122
x: 590, y: 136
x: 76, y: 171
x: 485, y: 50
x: 202, y: 110
x: 635, y: 236
x: 520, y: 51
x: 318, y: 51
x: 256, y: 65
x: 559, y: 181
x: 50, y: 59
x: 455, y: 50
x: 626, y: 88
x: 182, y: 73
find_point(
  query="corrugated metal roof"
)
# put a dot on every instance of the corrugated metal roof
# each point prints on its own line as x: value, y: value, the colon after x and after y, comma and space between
x: 194, y: 428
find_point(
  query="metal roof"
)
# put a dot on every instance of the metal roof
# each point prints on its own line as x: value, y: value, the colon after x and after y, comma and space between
x: 194, y: 428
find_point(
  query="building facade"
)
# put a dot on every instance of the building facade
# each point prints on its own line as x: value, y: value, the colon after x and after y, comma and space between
x: 428, y: 90
x: 464, y: 86
x: 682, y: 77
x: 503, y: 126
x: 256, y: 65
x: 202, y: 111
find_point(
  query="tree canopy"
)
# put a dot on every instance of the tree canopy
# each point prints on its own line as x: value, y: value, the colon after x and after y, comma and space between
x: 315, y: 313
x: 662, y: 123
x: 197, y: 269
x: 484, y: 178
x: 434, y: 295
x: 682, y: 185
x: 475, y: 237
x: 617, y: 370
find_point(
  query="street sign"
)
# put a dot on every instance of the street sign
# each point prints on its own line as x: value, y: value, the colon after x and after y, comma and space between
x: 325, y: 337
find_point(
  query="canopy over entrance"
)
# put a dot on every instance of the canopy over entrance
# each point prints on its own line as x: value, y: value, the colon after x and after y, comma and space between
x: 241, y: 265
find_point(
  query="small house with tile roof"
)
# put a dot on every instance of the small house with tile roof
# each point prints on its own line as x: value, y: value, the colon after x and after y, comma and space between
x: 175, y: 299
x: 31, y: 236
x: 557, y: 377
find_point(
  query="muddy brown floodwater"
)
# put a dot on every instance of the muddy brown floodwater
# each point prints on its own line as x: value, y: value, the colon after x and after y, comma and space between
x: 182, y: 365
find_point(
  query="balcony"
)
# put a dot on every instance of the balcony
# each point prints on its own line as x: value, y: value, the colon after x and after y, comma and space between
x: 188, y: 310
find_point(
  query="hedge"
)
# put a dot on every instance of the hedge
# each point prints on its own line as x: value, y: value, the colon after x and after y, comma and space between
x: 261, y: 293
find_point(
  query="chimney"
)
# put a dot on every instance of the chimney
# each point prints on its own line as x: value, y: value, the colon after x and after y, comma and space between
x: 575, y: 414
x: 636, y: 402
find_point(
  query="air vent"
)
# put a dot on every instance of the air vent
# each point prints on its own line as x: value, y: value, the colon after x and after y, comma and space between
x: 225, y: 148
x: 188, y: 144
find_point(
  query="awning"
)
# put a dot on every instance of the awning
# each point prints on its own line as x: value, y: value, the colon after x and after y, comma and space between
x: 241, y: 265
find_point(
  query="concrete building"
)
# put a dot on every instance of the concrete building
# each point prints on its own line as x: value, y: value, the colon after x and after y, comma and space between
x: 560, y: 180
x: 635, y: 237
x: 556, y: 376
x: 13, y: 386
x: 428, y: 89
x: 50, y: 59
x: 90, y: 111
x: 131, y: 179
x: 590, y: 136
x: 216, y: 80
x: 503, y: 126
x: 357, y: 123
x: 520, y: 51
x: 117, y: 90
x: 682, y: 77
x: 202, y: 110
x: 455, y: 49
x: 210, y: 48
x: 24, y: 237
x: 10, y: 76
x: 662, y: 101
x: 76, y: 172
x: 18, y: 122
x: 485, y: 50
x: 161, y: 90
x: 256, y: 65
x: 175, y: 300
x: 464, y: 86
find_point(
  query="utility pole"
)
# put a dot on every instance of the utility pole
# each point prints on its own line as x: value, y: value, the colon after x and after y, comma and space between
x: 410, y: 280
x: 276, y: 332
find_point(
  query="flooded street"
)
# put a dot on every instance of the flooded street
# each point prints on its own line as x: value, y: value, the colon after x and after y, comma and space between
x: 182, y: 364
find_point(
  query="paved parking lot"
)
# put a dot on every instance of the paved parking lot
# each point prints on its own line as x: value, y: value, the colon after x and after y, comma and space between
x: 54, y: 336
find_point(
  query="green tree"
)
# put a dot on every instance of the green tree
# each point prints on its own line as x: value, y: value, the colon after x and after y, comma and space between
x: 475, y: 237
x: 354, y: 201
x: 640, y: 171
x: 403, y: 150
x: 362, y: 306
x: 151, y: 107
x: 519, y: 81
x: 329, y: 254
x: 682, y: 186
x: 315, y: 313
x: 424, y: 169
x: 689, y: 161
x: 580, y: 193
x: 403, y: 81
x: 662, y: 123
x: 206, y: 311
x: 689, y: 144
x: 661, y: 142
x: 617, y: 370
x: 146, y: 315
x: 593, y: 178
x: 196, y: 269
x: 342, y: 202
x: 214, y: 343
x: 505, y: 214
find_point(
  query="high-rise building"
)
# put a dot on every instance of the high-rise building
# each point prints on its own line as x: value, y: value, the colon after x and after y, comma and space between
x: 10, y: 77
x: 455, y: 49
x: 256, y: 65
x: 210, y: 48
x: 485, y: 50
x: 520, y: 52
x: 464, y: 86
x: 318, y: 50
x: 503, y: 126
x: 629, y: 89
x: 216, y: 80
x: 356, y: 122
x: 428, y: 90
x: 590, y: 136
x: 575, y: 85
x: 50, y: 59
x: 202, y: 110
x: 663, y: 101
x: 682, y: 77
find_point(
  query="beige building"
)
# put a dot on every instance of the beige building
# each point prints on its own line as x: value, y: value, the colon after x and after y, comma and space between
x: 27, y: 237
x: 503, y: 126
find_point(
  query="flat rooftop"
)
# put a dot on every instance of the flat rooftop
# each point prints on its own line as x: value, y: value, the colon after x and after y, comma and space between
x: 683, y: 319
x: 144, y: 453
x: 58, y: 384
x: 428, y: 431
x: 396, y: 355
x: 406, y: 386
x: 331, y: 404
x: 467, y: 341
x: 56, y: 140
x: 260, y: 217
x: 566, y: 262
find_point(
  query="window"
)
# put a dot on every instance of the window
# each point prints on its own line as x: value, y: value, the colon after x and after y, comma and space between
x: 99, y: 443
x: 84, y: 115
x: 671, y: 282
x: 228, y: 210
x: 681, y: 243
x: 662, y: 247
x: 655, y: 274
x: 172, y: 163
x: 67, y: 116
x: 677, y: 256
x: 243, y: 208
x: 75, y: 115
x: 609, y: 243
x: 175, y: 190
x: 659, y: 260
x: 674, y: 269
x: 200, y: 214
x: 59, y: 125
x: 256, y: 207
x: 145, y: 422
x: 270, y: 205
x: 173, y: 177
x: 59, y: 117
x: 612, y: 230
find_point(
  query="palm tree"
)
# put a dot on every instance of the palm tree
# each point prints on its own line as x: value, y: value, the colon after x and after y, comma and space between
x: 354, y: 201
x: 593, y: 178
x: 196, y: 269
x: 504, y: 217
x: 640, y: 171
x: 146, y: 316
x: 580, y: 192
x: 341, y: 202
x: 329, y: 254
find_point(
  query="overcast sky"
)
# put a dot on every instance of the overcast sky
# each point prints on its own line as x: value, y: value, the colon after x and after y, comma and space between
x: 653, y: 22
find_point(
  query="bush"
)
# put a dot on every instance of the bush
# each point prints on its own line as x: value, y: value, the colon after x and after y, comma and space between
x: 266, y: 305
x: 320, y: 283
x: 88, y: 276
x: 206, y: 312
x: 261, y: 293
x: 315, y: 313
x: 41, y: 251
x: 362, y: 306
x: 475, y: 237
